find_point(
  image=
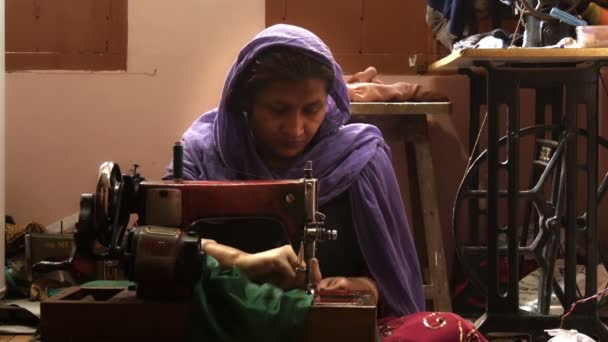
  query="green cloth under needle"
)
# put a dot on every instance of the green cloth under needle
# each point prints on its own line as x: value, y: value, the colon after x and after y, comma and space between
x: 228, y: 307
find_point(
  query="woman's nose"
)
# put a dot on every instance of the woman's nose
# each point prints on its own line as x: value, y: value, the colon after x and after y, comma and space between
x: 293, y: 126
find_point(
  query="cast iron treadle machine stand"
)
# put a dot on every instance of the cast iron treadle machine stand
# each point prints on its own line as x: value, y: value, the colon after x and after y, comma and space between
x: 560, y: 141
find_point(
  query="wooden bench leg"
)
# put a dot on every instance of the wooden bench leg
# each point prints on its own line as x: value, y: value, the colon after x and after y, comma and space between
x: 438, y: 288
x: 417, y: 184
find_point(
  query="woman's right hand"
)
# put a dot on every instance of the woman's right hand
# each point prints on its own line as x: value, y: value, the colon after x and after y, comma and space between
x: 276, y: 266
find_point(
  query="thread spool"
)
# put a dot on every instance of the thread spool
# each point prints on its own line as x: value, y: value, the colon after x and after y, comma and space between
x: 178, y: 161
x: 595, y: 14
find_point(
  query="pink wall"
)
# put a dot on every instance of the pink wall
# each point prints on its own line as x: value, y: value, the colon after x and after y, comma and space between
x: 62, y: 125
x: 2, y: 151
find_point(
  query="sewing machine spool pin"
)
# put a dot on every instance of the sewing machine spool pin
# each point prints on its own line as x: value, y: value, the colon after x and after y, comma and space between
x: 178, y: 161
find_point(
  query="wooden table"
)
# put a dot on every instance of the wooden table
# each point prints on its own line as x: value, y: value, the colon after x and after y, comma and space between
x: 468, y: 58
x: 559, y: 76
x: 404, y: 127
x: 116, y: 314
x: 15, y: 338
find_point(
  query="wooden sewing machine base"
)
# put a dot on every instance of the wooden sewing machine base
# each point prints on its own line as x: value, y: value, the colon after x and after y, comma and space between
x: 116, y: 314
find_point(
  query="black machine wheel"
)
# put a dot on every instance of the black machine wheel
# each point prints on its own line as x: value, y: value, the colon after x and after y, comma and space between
x: 108, y: 195
x: 542, y: 217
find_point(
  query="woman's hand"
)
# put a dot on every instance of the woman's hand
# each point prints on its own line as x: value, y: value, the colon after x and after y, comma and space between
x: 350, y: 283
x: 276, y: 266
x: 315, y: 276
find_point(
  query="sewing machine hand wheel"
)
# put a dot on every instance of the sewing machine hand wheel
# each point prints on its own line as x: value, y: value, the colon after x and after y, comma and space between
x: 108, y: 196
x: 99, y: 219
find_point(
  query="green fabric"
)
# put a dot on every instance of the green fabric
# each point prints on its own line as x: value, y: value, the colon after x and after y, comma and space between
x: 95, y: 283
x: 109, y: 283
x: 53, y: 292
x: 10, y: 281
x: 229, y: 307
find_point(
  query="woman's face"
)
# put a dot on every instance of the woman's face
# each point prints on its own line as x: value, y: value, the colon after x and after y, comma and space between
x: 286, y: 116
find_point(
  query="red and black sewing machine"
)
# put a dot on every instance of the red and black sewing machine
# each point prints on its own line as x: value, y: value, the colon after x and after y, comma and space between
x: 162, y: 256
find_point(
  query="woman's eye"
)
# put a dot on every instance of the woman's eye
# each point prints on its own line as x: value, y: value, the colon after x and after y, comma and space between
x: 278, y: 109
x: 312, y: 110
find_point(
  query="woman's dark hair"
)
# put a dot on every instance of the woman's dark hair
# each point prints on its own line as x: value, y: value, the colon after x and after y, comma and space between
x: 278, y: 64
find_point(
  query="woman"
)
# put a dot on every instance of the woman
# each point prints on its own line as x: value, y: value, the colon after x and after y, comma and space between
x: 284, y: 102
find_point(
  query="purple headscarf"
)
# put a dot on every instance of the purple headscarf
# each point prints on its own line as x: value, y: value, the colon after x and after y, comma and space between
x: 351, y: 157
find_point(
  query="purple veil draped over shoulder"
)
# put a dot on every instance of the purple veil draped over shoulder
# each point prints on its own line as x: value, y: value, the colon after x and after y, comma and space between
x: 351, y: 157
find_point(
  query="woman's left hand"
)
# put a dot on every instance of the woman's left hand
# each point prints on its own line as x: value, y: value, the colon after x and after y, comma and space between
x: 350, y: 283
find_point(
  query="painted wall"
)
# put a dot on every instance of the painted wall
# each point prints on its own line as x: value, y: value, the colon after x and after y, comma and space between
x: 62, y: 125
x: 2, y: 149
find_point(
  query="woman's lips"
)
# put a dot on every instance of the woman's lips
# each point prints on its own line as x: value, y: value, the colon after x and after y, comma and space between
x: 293, y: 143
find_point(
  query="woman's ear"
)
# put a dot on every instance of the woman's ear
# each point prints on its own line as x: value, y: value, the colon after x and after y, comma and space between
x: 246, y: 105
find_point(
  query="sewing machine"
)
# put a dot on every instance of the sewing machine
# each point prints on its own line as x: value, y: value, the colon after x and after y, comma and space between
x: 541, y: 28
x: 162, y: 255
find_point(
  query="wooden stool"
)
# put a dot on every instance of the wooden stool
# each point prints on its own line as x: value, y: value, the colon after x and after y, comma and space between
x: 404, y: 127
